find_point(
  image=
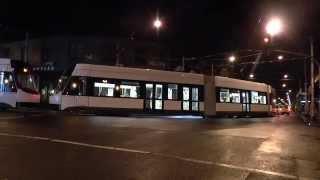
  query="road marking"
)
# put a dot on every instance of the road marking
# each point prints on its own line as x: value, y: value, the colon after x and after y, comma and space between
x: 25, y: 137
x: 11, y: 117
x: 197, y: 161
x: 99, y: 146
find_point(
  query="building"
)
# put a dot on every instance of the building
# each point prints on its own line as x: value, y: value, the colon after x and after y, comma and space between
x: 52, y: 56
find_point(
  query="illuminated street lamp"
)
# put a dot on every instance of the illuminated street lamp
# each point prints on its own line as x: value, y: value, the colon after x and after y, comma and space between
x: 274, y: 27
x: 232, y: 58
x: 284, y: 85
x: 251, y: 76
x: 74, y: 85
x: 290, y: 91
x: 285, y: 76
x: 25, y: 70
x: 157, y: 23
x: 280, y: 57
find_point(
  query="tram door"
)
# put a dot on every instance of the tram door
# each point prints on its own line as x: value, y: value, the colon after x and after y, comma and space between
x: 245, y: 101
x: 154, y: 97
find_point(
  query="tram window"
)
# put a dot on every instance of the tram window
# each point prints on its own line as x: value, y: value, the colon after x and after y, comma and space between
x: 224, y: 95
x: 129, y: 89
x: 173, y: 91
x: 185, y: 93
x: 6, y: 82
x: 158, y: 104
x: 158, y: 93
x: 149, y: 91
x: 195, y: 106
x: 103, y: 88
x: 258, y: 98
x: 195, y: 94
x: 185, y: 105
x: 76, y: 86
x: 235, y: 96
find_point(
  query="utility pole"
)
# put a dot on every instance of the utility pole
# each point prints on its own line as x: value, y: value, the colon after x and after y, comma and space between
x: 312, y: 78
x: 306, y: 105
x: 318, y: 89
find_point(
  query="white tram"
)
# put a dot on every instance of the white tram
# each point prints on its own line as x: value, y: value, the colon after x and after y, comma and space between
x: 17, y: 86
x: 132, y: 90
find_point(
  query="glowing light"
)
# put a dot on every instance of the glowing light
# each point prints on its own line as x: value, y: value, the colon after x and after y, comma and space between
x: 25, y: 70
x: 266, y: 40
x: 232, y: 58
x: 60, y: 80
x: 30, y: 79
x: 274, y: 27
x: 157, y: 23
x: 117, y: 88
x: 285, y: 76
x: 251, y: 75
x: 6, y: 81
x: 74, y: 85
x: 284, y: 85
x: 274, y: 100
x: 280, y: 57
x: 290, y: 91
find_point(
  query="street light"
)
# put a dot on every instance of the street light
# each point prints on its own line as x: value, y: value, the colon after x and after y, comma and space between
x: 290, y: 91
x: 157, y: 23
x: 274, y: 27
x: 280, y: 57
x: 284, y: 85
x: 251, y: 76
x: 232, y: 58
x: 25, y: 70
x: 285, y: 76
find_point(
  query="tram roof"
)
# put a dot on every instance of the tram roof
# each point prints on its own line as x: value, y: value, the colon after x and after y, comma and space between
x: 152, y: 75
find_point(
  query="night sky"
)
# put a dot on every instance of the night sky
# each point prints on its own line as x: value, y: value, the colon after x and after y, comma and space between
x: 191, y: 28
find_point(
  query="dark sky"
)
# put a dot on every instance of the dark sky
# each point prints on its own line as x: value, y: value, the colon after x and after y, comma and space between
x: 191, y: 28
x: 203, y: 26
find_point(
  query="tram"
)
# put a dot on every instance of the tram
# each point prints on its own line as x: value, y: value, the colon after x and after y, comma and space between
x: 17, y: 86
x: 126, y: 90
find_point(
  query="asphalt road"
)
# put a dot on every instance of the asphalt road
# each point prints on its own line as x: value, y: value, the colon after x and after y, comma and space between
x: 59, y: 146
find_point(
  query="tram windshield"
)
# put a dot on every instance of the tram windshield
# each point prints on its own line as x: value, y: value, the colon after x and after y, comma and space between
x: 6, y: 82
x: 27, y: 82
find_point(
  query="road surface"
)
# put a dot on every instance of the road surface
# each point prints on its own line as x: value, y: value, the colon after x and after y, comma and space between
x: 59, y: 146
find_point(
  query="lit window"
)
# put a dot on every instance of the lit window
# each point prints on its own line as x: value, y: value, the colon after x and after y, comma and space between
x: 129, y: 89
x: 185, y: 93
x: 235, y: 96
x: 258, y: 98
x: 173, y: 91
x: 6, y: 82
x: 195, y: 94
x: 103, y: 89
x: 224, y: 95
